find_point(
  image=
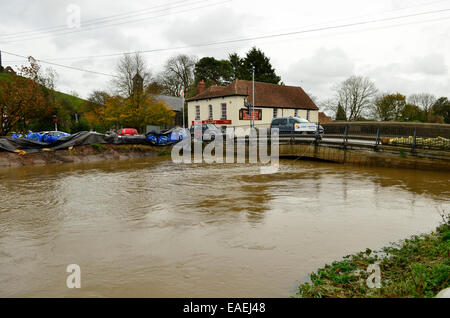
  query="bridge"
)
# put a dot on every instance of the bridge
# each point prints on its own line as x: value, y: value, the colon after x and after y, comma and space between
x: 394, y: 145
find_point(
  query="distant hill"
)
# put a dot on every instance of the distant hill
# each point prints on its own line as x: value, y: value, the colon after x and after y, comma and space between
x: 75, y: 101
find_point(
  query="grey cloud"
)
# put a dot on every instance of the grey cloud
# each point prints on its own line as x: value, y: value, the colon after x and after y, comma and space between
x: 207, y: 27
x: 321, y: 70
x: 428, y: 66
x: 31, y: 15
x: 35, y: 15
x: 422, y: 68
x: 433, y: 64
x: 104, y: 40
x: 401, y: 4
x: 402, y: 78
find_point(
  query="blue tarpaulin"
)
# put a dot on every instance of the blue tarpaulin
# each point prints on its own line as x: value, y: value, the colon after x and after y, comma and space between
x: 35, y: 142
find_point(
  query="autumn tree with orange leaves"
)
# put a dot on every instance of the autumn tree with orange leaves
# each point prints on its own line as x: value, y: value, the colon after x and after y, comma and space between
x: 133, y: 106
x: 21, y: 101
x: 26, y: 98
x: 126, y: 112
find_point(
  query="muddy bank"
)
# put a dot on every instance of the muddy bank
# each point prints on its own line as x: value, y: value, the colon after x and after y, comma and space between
x: 82, y: 154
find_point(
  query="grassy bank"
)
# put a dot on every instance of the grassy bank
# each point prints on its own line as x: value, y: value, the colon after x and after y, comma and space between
x: 417, y: 267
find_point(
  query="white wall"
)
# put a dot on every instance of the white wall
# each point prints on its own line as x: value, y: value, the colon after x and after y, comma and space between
x: 234, y: 105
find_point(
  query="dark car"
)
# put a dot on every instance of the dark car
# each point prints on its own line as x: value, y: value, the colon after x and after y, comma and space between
x: 295, y: 125
x: 208, y: 131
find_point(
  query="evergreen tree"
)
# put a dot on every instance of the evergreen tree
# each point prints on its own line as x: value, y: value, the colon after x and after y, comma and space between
x: 237, y: 65
x: 442, y: 108
x: 264, y: 72
x: 340, y: 114
x: 223, y: 72
x: 213, y: 72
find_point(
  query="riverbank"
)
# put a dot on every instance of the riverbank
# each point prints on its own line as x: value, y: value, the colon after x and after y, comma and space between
x: 418, y: 267
x: 82, y: 154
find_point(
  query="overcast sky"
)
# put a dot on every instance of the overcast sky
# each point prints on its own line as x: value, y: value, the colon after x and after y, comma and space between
x: 408, y: 55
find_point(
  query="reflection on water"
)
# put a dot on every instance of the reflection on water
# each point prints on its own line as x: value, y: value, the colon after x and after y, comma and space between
x: 154, y: 229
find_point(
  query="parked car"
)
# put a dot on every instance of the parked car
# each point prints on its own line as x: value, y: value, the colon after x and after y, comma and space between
x: 127, y: 132
x: 295, y: 125
x: 208, y: 131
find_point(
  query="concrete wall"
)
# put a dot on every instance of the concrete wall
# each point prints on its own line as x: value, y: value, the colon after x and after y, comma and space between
x: 389, y: 129
x: 388, y: 157
x: 234, y: 105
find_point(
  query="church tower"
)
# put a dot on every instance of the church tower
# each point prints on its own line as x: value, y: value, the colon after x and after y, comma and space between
x: 138, y: 89
x: 138, y: 84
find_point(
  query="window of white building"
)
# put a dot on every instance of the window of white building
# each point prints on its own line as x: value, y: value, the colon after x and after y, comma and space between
x: 210, y: 112
x: 296, y: 113
x: 224, y: 112
x: 275, y: 112
x: 197, y: 112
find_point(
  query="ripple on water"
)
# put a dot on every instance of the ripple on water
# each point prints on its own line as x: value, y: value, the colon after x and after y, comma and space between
x: 152, y: 228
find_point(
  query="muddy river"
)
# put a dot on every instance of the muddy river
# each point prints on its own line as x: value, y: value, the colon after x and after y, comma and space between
x: 150, y: 228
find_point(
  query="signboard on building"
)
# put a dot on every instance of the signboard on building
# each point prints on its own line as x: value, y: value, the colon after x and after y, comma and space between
x: 212, y: 122
x: 244, y: 114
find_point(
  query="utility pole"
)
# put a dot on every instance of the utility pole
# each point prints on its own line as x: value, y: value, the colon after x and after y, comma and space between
x: 182, y: 98
x: 253, y: 99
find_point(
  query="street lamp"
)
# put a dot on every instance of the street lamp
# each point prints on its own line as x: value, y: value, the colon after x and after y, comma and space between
x: 182, y: 98
x: 253, y: 98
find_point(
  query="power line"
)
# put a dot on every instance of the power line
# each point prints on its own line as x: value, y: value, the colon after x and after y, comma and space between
x: 151, y: 9
x: 88, y: 22
x: 64, y: 66
x: 347, y: 25
x: 28, y: 35
x: 93, y: 27
x: 234, y: 41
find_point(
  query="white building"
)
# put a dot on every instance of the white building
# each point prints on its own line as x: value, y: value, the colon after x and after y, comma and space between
x: 225, y: 105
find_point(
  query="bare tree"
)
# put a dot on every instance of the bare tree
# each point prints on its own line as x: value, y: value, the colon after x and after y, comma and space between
x: 329, y: 104
x: 98, y: 97
x: 46, y: 78
x: 178, y: 74
x: 127, y: 68
x: 356, y: 96
x: 424, y: 101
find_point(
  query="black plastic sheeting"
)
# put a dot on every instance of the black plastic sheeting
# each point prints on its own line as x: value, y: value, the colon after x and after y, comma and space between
x: 78, y: 139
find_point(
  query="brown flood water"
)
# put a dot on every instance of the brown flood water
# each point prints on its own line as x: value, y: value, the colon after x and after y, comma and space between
x: 149, y: 228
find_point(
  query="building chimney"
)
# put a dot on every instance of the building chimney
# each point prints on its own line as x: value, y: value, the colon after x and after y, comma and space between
x: 201, y: 87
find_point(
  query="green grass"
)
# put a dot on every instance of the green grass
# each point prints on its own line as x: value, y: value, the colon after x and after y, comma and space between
x: 4, y: 77
x: 418, y: 267
x: 76, y: 102
x: 99, y: 148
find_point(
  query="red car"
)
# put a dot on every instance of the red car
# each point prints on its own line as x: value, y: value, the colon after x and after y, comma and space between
x: 127, y: 132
